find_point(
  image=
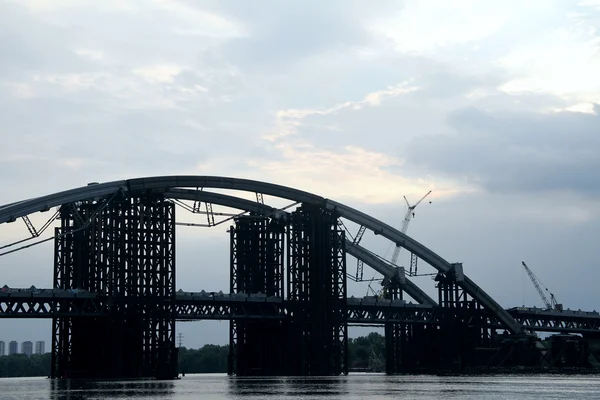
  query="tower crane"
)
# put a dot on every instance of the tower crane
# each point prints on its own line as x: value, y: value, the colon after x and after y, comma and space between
x: 410, y: 213
x: 551, y: 304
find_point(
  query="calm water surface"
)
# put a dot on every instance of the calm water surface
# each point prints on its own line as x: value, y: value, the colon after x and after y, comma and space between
x: 355, y: 386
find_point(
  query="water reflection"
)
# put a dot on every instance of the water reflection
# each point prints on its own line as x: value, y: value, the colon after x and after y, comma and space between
x: 68, y: 389
x: 353, y: 387
x: 288, y: 386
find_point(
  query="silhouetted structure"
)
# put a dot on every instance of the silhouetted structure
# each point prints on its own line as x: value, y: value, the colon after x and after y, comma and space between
x: 316, y: 277
x: 257, y: 346
x: 314, y: 340
x: 114, y: 305
x: 124, y: 249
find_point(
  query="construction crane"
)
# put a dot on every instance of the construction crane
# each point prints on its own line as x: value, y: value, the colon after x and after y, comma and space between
x: 552, y: 304
x: 410, y: 213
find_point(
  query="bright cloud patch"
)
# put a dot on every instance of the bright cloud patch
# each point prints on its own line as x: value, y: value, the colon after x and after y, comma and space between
x: 351, y: 173
x: 422, y: 27
x: 565, y: 63
x: 158, y: 73
x: 288, y: 120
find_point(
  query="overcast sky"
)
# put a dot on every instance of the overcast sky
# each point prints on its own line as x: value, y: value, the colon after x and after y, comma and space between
x: 493, y: 105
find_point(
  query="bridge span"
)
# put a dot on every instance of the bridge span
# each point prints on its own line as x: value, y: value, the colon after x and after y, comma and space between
x: 196, y: 306
x: 114, y: 278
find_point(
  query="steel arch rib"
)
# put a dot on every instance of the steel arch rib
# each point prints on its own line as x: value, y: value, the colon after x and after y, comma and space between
x: 163, y: 183
x: 355, y: 250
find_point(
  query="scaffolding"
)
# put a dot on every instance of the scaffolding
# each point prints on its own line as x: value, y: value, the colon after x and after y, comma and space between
x: 256, y: 347
x: 125, y: 253
x: 316, y: 290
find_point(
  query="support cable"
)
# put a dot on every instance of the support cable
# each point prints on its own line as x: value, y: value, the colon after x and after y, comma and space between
x: 197, y: 203
x: 30, y: 227
x: 210, y: 216
x: 37, y: 233
x: 27, y: 246
x: 83, y: 226
x: 359, y: 263
x: 230, y: 217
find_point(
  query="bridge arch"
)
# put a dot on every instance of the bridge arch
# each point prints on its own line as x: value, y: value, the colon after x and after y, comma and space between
x: 175, y: 187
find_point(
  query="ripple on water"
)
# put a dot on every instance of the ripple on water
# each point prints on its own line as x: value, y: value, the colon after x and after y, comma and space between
x: 352, y: 387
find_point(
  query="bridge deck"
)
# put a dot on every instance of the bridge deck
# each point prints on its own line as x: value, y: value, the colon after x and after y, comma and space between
x: 189, y: 306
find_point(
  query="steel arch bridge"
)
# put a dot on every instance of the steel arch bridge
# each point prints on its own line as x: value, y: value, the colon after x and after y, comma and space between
x: 127, y: 228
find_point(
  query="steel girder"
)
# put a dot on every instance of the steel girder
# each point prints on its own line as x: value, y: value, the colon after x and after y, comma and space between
x: 553, y: 321
x: 193, y: 306
x: 143, y: 185
x: 51, y: 306
x: 190, y: 307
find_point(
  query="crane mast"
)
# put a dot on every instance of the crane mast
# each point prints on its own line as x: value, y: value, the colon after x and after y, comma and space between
x: 550, y: 304
x: 410, y: 212
x: 359, y: 265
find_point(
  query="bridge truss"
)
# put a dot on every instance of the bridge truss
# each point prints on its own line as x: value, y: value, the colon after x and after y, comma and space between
x: 116, y: 240
x: 47, y: 303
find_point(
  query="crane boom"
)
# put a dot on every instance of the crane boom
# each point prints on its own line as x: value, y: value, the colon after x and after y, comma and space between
x: 536, y: 282
x: 407, y: 217
x: 419, y: 202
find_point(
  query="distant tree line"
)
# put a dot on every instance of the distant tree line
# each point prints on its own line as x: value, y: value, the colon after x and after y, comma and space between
x: 20, y: 365
x: 364, y: 352
x: 209, y: 358
x: 367, y: 352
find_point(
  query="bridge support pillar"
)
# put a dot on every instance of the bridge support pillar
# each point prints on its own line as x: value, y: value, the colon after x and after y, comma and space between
x: 409, y: 347
x: 467, y: 340
x: 122, y: 251
x: 316, y: 289
x: 257, y: 346
x: 395, y: 336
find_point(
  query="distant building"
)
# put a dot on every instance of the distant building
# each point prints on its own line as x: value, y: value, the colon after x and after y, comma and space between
x: 13, y: 347
x: 27, y: 348
x: 2, y: 348
x: 40, y: 347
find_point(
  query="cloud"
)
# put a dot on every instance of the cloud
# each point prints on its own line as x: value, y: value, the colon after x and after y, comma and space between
x: 524, y: 152
x: 158, y: 73
x: 288, y: 120
x: 564, y: 63
x: 348, y: 173
x: 279, y: 35
x: 40, y: 47
x: 427, y: 26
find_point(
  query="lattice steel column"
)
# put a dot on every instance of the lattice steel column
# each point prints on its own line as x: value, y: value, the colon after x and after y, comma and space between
x: 150, y: 280
x: 66, y: 252
x: 256, y: 268
x: 465, y: 328
x: 339, y: 302
x: 124, y: 249
x: 317, y: 292
x: 395, y: 336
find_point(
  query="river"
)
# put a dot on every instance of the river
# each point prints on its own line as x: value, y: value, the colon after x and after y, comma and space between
x: 354, y: 386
